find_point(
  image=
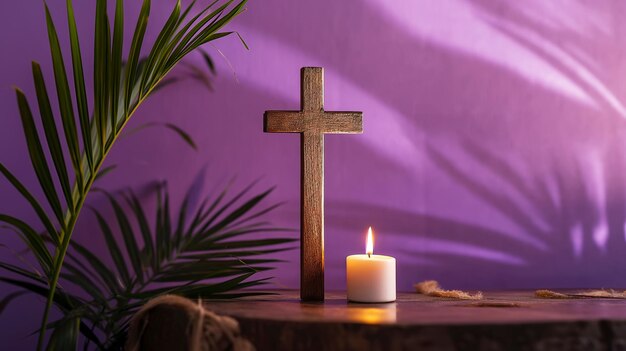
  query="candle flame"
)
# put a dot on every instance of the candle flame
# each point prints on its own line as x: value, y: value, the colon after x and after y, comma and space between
x: 369, y: 246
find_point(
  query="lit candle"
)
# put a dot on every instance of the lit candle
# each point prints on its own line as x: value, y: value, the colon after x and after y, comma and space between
x: 371, y: 278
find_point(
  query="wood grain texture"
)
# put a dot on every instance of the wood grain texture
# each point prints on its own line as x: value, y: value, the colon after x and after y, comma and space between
x: 312, y: 89
x: 418, y: 322
x: 312, y: 217
x: 312, y: 122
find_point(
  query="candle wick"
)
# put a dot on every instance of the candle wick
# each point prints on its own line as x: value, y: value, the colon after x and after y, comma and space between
x: 369, y: 255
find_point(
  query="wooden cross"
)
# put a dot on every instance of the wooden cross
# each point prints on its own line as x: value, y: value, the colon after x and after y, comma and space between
x: 312, y: 122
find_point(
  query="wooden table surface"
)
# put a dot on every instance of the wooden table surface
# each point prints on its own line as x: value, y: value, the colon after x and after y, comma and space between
x: 501, y: 321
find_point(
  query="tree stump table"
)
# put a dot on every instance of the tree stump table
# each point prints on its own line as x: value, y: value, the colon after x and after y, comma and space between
x: 502, y: 321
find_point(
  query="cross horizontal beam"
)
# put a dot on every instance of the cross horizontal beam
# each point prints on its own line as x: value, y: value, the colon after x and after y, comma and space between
x: 335, y: 122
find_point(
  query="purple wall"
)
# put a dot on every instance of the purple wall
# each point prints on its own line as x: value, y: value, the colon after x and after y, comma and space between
x: 494, y: 144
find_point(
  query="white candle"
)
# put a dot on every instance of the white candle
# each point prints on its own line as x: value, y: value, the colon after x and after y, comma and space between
x: 371, y: 278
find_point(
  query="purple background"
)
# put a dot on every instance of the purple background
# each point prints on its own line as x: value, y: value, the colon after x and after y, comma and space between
x: 493, y: 155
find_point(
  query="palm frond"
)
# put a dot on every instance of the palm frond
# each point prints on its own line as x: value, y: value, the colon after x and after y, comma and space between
x: 118, y: 91
x: 216, y: 266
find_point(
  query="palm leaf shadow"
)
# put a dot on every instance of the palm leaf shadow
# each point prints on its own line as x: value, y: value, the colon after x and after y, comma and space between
x: 567, y: 210
x: 519, y: 23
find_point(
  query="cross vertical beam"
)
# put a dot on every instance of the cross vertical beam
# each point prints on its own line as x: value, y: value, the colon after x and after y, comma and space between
x: 312, y: 122
x: 312, y: 217
x: 312, y: 190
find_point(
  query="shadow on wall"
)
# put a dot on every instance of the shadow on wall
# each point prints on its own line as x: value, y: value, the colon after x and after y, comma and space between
x: 559, y: 238
x: 543, y: 97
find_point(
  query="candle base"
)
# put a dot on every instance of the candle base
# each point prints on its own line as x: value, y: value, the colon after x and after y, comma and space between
x: 370, y: 302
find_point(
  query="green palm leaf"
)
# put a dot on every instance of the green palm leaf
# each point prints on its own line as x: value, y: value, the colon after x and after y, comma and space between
x: 41, y: 213
x: 132, y: 249
x: 79, y: 85
x: 133, y: 56
x: 101, y: 58
x: 66, y: 302
x: 98, y: 267
x: 22, y: 272
x: 33, y: 240
x: 116, y: 62
x: 148, y: 253
x: 65, y: 336
x: 65, y: 100
x: 37, y: 157
x: 50, y: 130
x: 114, y: 249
